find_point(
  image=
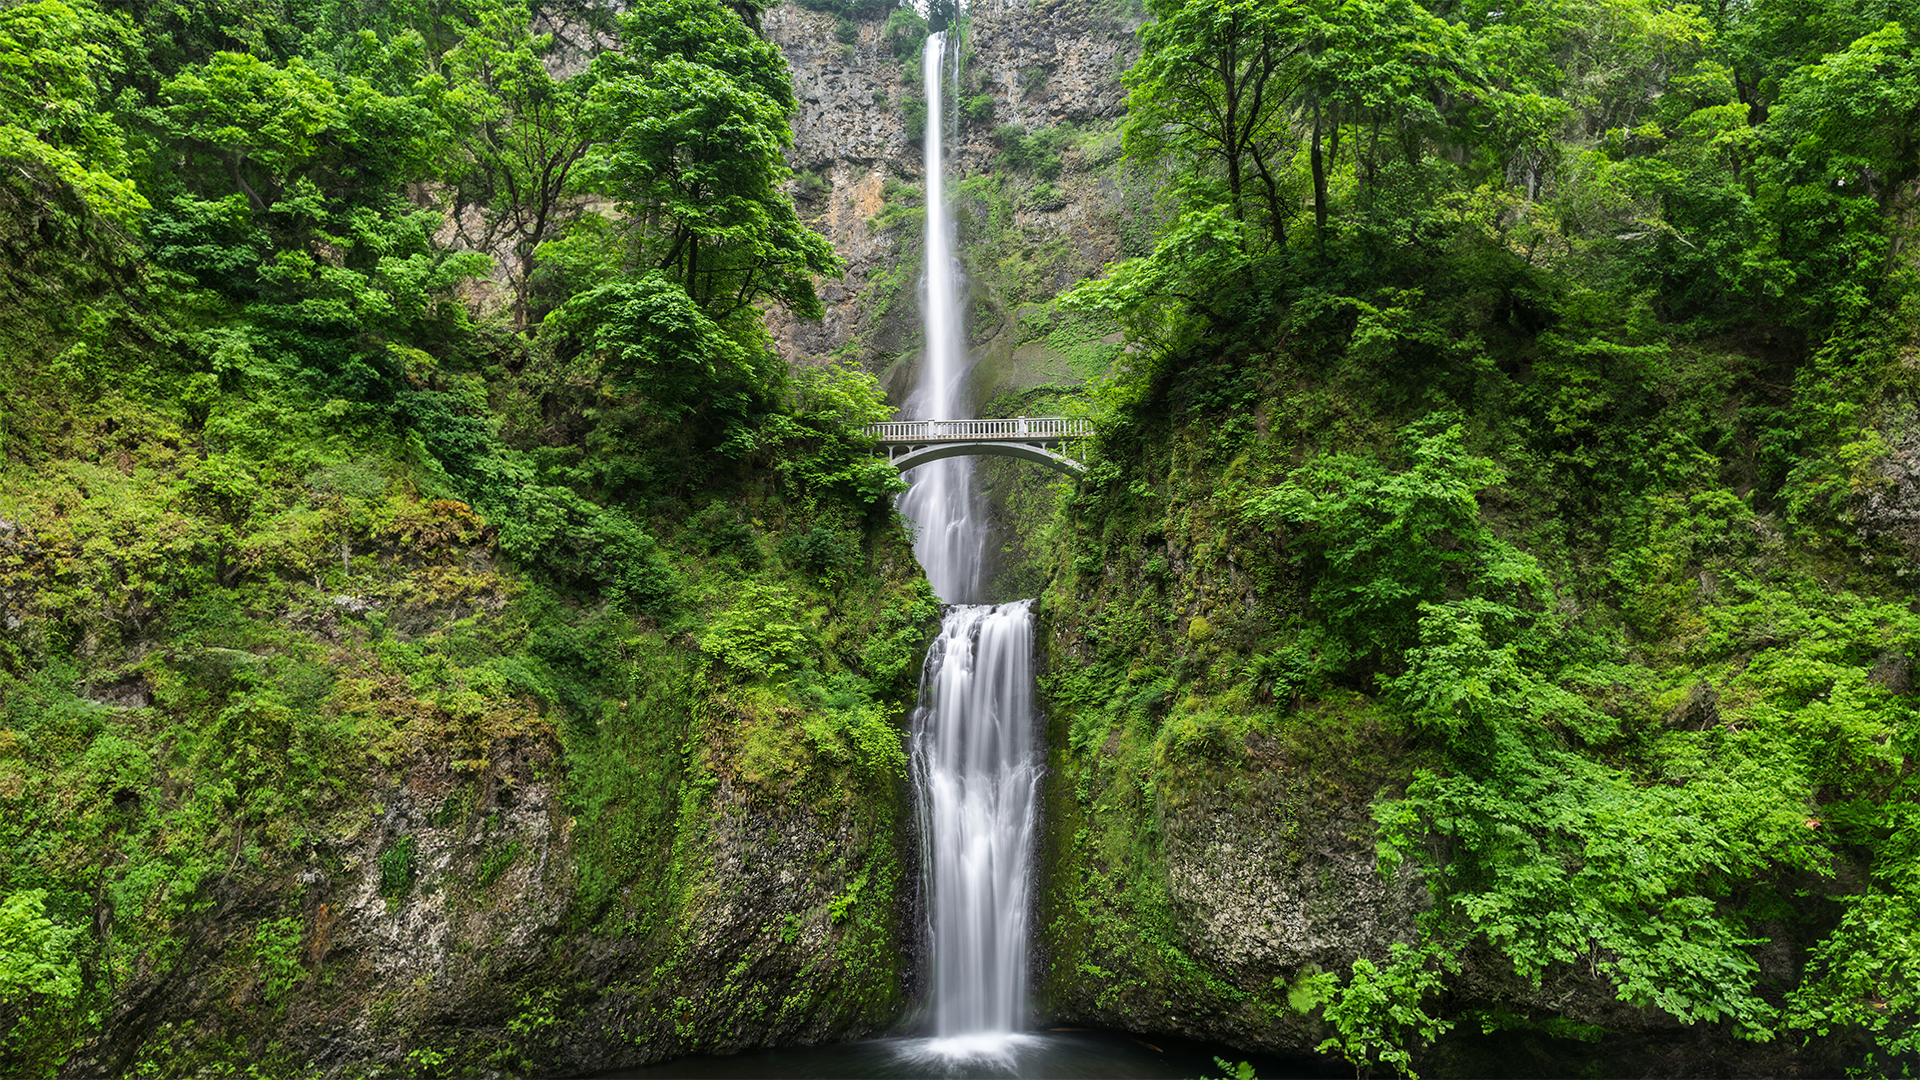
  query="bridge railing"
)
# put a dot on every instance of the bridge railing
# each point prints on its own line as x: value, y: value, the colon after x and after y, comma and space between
x: 1017, y: 428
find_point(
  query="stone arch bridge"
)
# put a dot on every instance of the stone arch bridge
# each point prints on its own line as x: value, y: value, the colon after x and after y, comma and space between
x: 1030, y: 438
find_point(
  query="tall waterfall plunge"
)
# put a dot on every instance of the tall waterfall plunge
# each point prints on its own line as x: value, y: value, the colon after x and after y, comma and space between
x: 941, y: 501
x: 973, y: 758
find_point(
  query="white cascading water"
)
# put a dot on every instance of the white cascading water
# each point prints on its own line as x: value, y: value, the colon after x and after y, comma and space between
x: 941, y: 502
x: 973, y: 758
x: 975, y: 767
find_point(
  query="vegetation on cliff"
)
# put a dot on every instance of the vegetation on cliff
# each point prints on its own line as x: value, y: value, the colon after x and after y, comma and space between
x: 1519, y: 443
x: 437, y: 633
x: 407, y: 670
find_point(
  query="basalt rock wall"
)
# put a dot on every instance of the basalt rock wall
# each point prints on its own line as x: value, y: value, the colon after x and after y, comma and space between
x: 1035, y: 68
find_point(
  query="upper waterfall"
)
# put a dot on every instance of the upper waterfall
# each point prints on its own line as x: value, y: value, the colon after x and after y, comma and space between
x: 941, y: 503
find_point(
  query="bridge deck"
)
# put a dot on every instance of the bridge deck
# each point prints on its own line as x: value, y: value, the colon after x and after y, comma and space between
x: 909, y: 444
x: 1024, y: 429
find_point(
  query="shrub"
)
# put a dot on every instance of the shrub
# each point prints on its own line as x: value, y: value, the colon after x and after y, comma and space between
x: 1045, y: 196
x: 820, y: 551
x: 719, y: 529
x: 810, y: 185
x: 1034, y: 153
x: 850, y: 724
x: 756, y: 636
x: 574, y: 541
x: 1377, y: 545
x: 913, y: 116
x: 276, y: 952
x: 977, y: 110
x: 825, y: 446
x: 39, y: 981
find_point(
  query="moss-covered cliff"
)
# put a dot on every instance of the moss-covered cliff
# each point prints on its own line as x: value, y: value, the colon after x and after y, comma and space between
x: 1299, y: 601
x: 415, y: 701
x: 371, y: 800
x: 1487, y: 623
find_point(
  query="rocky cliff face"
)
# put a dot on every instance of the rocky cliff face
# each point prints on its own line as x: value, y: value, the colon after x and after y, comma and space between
x: 1210, y: 840
x: 1042, y: 201
x: 1885, y: 508
x: 1033, y: 68
x: 409, y: 825
x: 1202, y: 863
x: 484, y: 957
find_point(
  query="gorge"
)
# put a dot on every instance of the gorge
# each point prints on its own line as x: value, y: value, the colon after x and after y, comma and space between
x: 453, y: 621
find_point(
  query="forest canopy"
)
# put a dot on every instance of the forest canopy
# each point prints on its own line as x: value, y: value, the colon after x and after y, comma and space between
x: 1578, y: 336
x: 311, y: 195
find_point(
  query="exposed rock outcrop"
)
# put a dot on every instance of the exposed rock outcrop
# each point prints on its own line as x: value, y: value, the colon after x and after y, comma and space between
x: 451, y: 922
x: 1886, y: 506
x: 1039, y: 66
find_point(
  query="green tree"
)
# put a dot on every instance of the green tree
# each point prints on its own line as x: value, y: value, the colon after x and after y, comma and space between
x: 290, y: 196
x: 260, y: 120
x: 524, y: 135
x: 1384, y: 67
x: 1215, y: 88
x: 1845, y: 139
x: 651, y: 339
x: 692, y: 114
x: 57, y: 65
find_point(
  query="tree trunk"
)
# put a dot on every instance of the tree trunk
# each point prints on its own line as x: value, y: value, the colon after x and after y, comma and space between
x: 520, y: 288
x: 1278, y: 224
x: 254, y: 200
x: 693, y: 268
x: 1319, y: 184
x: 1231, y: 144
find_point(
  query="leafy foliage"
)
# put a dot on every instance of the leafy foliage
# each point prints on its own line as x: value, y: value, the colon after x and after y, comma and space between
x: 1378, y: 1015
x: 1531, y: 376
x: 692, y: 120
x: 39, y: 979
x: 756, y: 635
x: 57, y: 73
x: 651, y: 338
x: 346, y: 443
x: 1385, y: 547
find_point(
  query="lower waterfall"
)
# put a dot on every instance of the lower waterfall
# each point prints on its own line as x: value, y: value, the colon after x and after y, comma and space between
x: 976, y: 772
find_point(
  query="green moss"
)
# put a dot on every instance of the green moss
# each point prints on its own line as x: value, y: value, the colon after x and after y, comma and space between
x: 398, y: 868
x: 496, y: 862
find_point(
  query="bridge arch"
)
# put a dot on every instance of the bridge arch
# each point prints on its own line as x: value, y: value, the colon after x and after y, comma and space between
x: 908, y: 443
x: 1039, y: 455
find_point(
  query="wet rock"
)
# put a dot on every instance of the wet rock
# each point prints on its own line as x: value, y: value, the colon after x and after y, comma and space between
x: 1041, y: 65
x: 1886, y: 511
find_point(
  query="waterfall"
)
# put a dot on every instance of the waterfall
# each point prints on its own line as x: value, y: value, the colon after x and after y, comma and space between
x: 941, y: 501
x: 974, y: 766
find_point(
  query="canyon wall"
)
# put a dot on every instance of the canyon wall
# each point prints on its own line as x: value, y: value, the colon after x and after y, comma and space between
x: 1052, y: 69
